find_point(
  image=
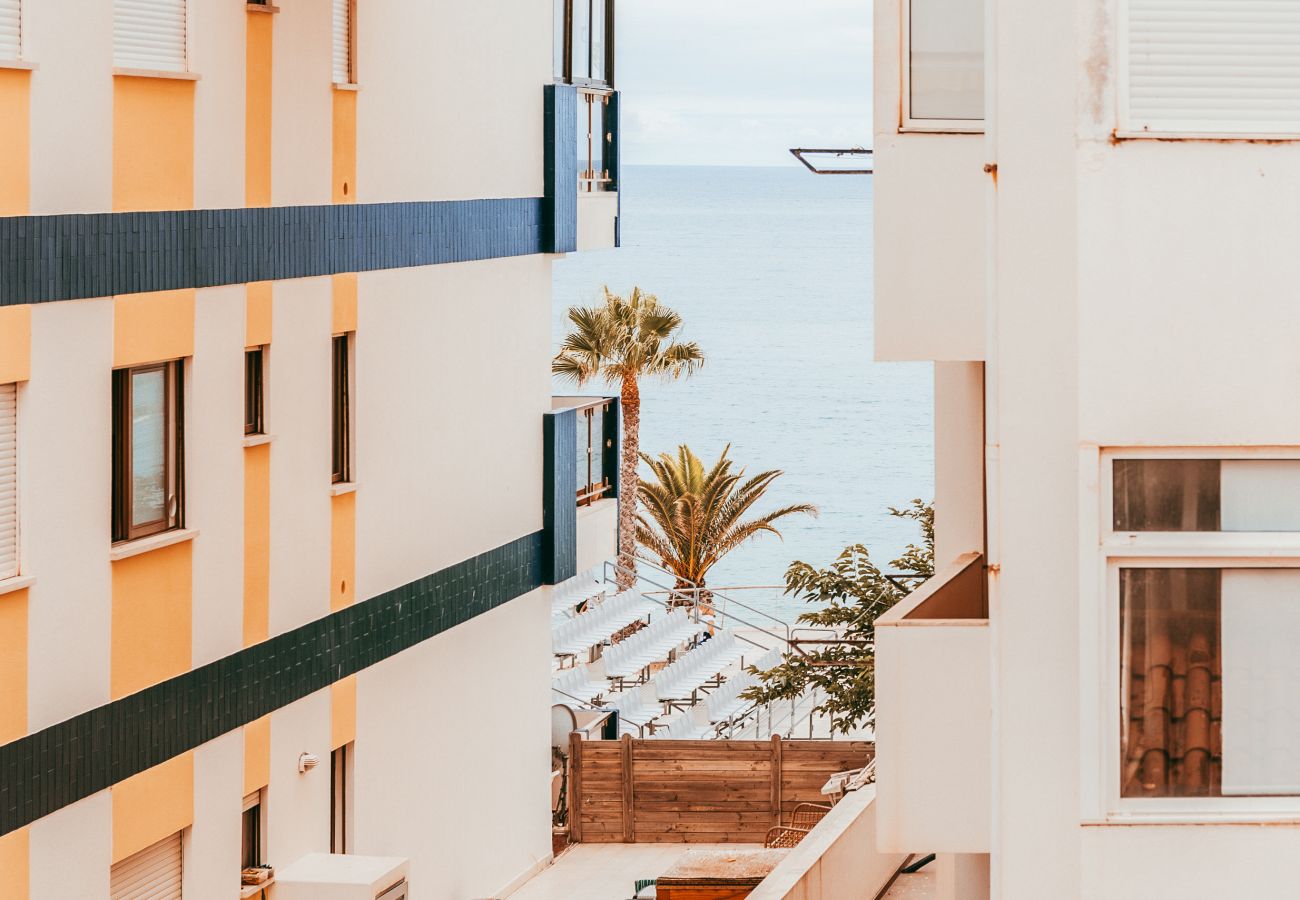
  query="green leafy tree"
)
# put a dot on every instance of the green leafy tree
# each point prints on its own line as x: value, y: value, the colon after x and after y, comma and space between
x: 621, y: 341
x: 849, y: 595
x: 695, y: 516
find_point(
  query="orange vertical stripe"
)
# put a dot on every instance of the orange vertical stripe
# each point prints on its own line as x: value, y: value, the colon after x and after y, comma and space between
x: 152, y: 805
x: 153, y: 143
x: 13, y: 666
x: 257, y: 110
x: 15, y: 141
x: 257, y: 544
x: 343, y: 712
x: 153, y: 611
x: 15, y: 865
x: 343, y: 551
x: 345, y: 146
x: 257, y: 755
x: 15, y: 343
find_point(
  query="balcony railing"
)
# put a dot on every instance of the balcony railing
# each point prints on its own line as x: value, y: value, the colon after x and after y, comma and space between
x: 594, y: 139
x: 933, y: 708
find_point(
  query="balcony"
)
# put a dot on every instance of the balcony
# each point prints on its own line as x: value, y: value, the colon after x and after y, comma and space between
x: 581, y: 202
x: 930, y: 183
x: 580, y: 520
x: 933, y: 715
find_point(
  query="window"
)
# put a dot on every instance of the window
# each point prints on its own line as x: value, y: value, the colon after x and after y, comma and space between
x: 8, y: 480
x: 250, y: 853
x: 152, y: 874
x: 944, y: 75
x: 341, y: 418
x: 345, y: 42
x: 584, y: 44
x: 1210, y: 67
x: 1204, y: 568
x: 11, y: 29
x: 149, y: 34
x: 148, y: 429
x: 254, y: 390
x: 341, y: 799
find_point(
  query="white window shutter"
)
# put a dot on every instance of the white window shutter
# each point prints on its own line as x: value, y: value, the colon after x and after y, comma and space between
x: 8, y: 480
x: 152, y: 874
x: 149, y: 34
x: 342, y: 41
x: 1214, y: 66
x: 11, y: 29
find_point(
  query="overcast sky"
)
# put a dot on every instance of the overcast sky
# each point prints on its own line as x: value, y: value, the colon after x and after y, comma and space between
x: 738, y: 82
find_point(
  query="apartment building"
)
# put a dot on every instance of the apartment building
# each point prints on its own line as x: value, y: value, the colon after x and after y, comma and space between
x: 281, y: 485
x: 1085, y: 219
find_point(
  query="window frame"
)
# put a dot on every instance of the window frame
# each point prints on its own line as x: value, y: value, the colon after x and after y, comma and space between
x: 255, y: 390
x: 123, y: 531
x: 342, y: 798
x: 568, y: 77
x: 254, y: 801
x: 1174, y: 550
x: 341, y: 408
x: 907, y: 123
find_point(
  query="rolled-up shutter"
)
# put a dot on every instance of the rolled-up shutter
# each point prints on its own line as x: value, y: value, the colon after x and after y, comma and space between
x: 342, y: 41
x: 8, y: 481
x: 11, y: 34
x: 152, y: 874
x: 149, y: 34
x: 1214, y: 66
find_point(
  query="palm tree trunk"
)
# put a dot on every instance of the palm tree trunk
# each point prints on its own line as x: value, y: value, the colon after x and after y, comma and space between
x: 630, y: 402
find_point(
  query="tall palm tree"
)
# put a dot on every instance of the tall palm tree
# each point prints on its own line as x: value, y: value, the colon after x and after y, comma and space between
x: 694, y: 517
x: 621, y: 341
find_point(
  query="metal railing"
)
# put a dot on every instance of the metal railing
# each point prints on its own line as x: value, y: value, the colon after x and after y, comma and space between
x: 594, y: 139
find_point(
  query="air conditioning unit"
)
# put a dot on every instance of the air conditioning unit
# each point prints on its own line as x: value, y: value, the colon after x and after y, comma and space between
x: 338, y: 876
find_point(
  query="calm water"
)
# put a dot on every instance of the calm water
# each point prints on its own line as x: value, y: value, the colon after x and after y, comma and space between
x: 771, y: 271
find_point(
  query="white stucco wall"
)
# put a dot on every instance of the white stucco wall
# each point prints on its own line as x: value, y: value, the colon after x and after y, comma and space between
x: 455, y: 360
x: 958, y: 459
x: 66, y: 409
x: 457, y: 776
x: 71, y: 105
x: 302, y: 110
x: 477, y: 129
x: 71, y: 851
x: 298, y: 415
x: 215, y: 462
x: 298, y: 804
x: 211, y: 870
x: 217, y: 54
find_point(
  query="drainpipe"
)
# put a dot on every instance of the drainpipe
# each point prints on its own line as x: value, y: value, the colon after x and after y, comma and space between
x: 992, y: 435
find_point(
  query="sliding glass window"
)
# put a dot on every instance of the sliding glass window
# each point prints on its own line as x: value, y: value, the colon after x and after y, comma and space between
x: 584, y: 42
x: 944, y: 87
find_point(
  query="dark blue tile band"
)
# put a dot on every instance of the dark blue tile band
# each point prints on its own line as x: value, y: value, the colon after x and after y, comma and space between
x: 52, y: 768
x: 69, y: 257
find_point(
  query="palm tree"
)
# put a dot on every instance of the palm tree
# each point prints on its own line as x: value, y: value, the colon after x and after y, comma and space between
x: 621, y: 341
x: 694, y: 517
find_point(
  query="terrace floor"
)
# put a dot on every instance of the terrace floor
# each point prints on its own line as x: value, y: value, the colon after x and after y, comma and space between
x: 608, y: 871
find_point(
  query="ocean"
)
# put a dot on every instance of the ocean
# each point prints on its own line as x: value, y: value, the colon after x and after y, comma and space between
x: 771, y: 270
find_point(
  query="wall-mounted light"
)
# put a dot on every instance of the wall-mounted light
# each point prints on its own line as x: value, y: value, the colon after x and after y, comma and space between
x: 307, y: 761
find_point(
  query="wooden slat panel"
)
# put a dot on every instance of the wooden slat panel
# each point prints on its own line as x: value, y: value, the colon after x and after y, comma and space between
x: 700, y: 791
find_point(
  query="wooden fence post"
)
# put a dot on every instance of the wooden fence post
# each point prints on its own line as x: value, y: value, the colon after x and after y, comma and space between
x: 629, y: 796
x: 776, y: 779
x: 575, y: 787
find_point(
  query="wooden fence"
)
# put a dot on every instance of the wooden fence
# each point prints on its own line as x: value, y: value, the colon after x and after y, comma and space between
x: 642, y: 791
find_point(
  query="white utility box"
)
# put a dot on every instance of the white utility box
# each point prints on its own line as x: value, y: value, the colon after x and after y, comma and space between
x: 337, y: 876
